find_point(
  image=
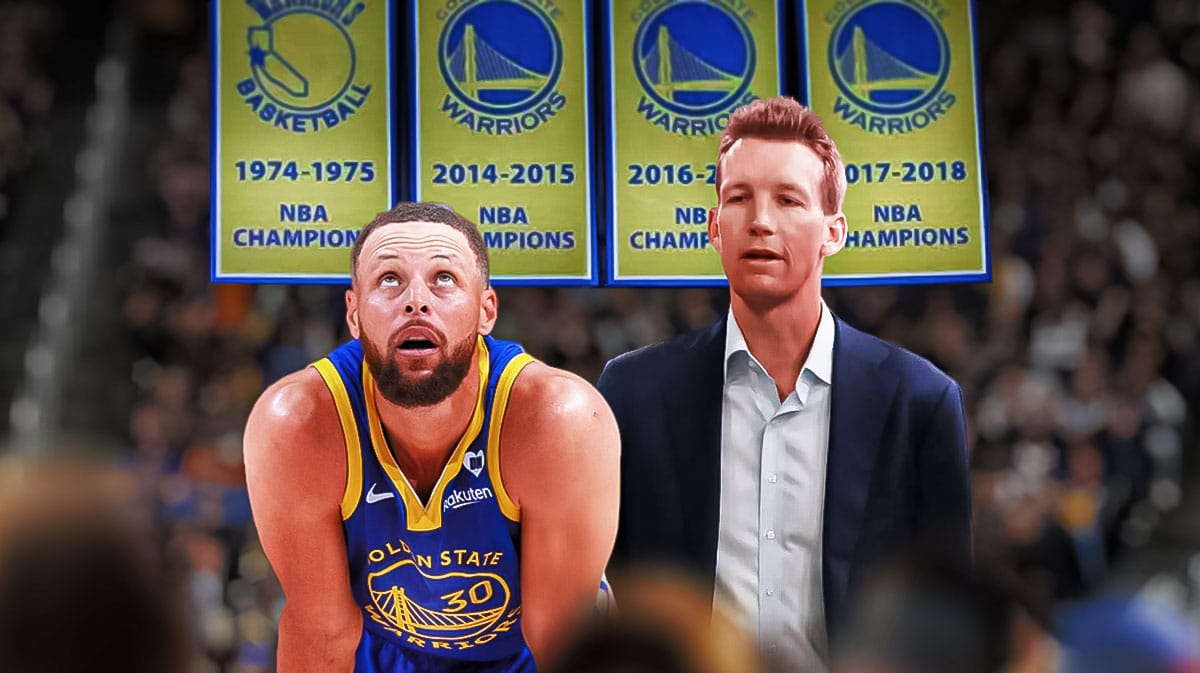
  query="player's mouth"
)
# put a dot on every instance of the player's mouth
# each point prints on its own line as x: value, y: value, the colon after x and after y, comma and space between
x: 417, y: 341
x: 761, y: 255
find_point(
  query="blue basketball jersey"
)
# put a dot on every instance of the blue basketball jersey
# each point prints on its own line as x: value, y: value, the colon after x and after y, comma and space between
x: 438, y: 583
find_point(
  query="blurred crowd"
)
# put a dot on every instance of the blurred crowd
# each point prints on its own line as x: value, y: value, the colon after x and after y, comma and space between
x: 26, y: 92
x: 1079, y: 362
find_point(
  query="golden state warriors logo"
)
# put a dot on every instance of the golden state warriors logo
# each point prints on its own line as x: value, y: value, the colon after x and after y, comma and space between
x: 501, y: 60
x: 890, y: 60
x: 302, y: 64
x: 471, y: 607
x: 694, y: 61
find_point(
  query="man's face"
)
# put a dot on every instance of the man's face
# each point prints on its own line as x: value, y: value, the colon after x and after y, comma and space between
x: 418, y: 304
x: 769, y: 225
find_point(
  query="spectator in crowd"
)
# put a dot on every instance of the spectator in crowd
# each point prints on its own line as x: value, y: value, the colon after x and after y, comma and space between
x: 26, y: 94
x: 78, y: 561
x: 918, y: 614
x: 1118, y: 634
x: 663, y: 626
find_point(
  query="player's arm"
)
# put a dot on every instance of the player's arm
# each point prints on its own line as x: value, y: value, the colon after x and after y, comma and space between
x: 296, y: 473
x: 559, y: 461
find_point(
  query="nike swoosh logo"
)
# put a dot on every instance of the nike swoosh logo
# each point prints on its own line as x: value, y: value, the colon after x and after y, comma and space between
x: 373, y: 497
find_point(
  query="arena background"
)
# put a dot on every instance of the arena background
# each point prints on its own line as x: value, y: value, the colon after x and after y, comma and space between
x: 1080, y: 362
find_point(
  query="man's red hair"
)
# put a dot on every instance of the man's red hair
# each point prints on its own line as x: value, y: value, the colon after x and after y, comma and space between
x: 784, y: 119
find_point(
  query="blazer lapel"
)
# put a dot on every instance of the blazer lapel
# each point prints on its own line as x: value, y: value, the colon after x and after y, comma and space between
x: 694, y: 425
x: 862, y: 393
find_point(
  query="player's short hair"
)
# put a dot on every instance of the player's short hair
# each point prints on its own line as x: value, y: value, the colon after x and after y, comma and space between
x: 785, y: 119
x: 413, y: 211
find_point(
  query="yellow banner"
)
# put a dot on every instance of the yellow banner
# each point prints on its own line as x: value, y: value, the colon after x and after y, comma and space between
x: 502, y: 130
x: 302, y: 137
x: 676, y: 70
x: 895, y: 83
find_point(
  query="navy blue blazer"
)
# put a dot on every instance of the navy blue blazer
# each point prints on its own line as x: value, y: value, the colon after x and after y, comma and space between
x: 896, y: 471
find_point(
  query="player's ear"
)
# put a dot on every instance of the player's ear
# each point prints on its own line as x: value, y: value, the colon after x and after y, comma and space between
x: 352, y: 312
x: 488, y: 308
x: 714, y: 233
x: 835, y: 235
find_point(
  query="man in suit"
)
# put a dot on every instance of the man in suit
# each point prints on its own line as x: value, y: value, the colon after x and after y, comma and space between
x: 781, y: 452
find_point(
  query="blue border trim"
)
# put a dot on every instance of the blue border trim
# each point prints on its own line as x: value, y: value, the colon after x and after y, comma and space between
x: 919, y: 279
x: 802, y: 59
x: 593, y: 209
x: 214, y: 139
x: 592, y: 278
x: 782, y: 66
x: 391, y: 102
x: 984, y: 206
x: 540, y: 281
x: 414, y: 109
x: 673, y: 281
x: 215, y: 158
x: 610, y: 275
x: 609, y: 163
x: 285, y: 280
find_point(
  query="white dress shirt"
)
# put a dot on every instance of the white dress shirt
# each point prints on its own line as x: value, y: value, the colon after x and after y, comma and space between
x: 773, y: 454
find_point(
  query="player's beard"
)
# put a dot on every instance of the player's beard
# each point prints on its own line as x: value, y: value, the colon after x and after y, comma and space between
x: 404, y: 391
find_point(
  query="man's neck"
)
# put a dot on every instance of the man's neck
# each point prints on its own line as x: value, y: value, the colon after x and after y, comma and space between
x: 780, y: 336
x: 422, y: 438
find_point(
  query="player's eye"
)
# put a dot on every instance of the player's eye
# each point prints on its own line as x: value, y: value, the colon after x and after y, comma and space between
x: 444, y: 278
x: 389, y: 280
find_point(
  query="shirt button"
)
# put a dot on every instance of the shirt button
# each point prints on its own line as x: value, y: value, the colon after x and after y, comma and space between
x: 770, y: 592
x: 772, y: 479
x: 770, y: 535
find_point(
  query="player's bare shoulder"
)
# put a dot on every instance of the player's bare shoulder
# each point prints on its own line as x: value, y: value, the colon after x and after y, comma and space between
x: 546, y: 397
x: 294, y: 433
x: 555, y: 422
x: 299, y: 404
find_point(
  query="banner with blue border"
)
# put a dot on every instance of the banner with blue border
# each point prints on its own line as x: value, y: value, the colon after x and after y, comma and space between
x: 896, y: 84
x: 302, y: 144
x: 675, y: 71
x: 502, y: 130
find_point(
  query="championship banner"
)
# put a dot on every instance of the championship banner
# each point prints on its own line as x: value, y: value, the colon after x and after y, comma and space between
x: 501, y: 130
x: 676, y: 70
x: 302, y: 145
x: 895, y: 83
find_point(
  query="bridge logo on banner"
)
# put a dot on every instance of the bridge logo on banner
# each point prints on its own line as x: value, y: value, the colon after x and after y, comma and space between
x: 890, y: 61
x: 694, y: 62
x: 501, y: 61
x: 302, y: 65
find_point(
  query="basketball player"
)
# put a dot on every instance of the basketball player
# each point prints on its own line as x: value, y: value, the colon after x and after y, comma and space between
x: 431, y: 498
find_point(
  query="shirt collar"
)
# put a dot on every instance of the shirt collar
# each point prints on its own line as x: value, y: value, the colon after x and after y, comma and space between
x: 820, y: 356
